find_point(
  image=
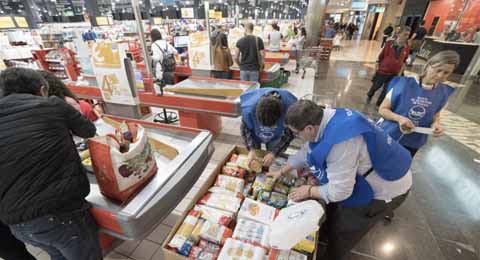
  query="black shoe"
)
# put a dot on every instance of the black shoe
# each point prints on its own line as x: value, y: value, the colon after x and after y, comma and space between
x: 368, y: 100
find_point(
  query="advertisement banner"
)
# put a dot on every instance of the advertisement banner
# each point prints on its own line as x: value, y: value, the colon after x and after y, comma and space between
x: 199, y: 50
x: 187, y: 12
x: 111, y: 74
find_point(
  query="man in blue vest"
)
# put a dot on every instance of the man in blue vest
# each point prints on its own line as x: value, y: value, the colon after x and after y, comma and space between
x: 263, y: 116
x: 362, y: 174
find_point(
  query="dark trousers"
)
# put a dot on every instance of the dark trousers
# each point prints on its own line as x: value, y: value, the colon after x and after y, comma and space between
x: 346, y: 226
x: 10, y: 247
x: 412, y: 151
x: 380, y: 81
x: 221, y: 74
x: 69, y: 236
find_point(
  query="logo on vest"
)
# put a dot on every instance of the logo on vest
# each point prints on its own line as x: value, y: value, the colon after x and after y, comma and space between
x: 266, y: 134
x: 417, y: 112
x: 319, y: 174
x: 349, y: 112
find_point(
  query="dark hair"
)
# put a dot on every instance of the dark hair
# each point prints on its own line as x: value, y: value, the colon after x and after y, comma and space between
x: 303, y: 113
x: 304, y: 31
x: 56, y: 87
x: 156, y: 35
x: 269, y: 109
x: 295, y: 30
x: 21, y: 81
x: 422, y: 23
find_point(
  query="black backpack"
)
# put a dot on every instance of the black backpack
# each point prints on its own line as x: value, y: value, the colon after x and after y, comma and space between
x: 168, y: 62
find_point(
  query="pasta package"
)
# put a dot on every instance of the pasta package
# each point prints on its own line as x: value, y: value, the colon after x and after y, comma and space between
x: 257, y: 211
x: 185, y: 230
x: 215, y: 215
x: 230, y: 183
x: 204, y: 251
x: 252, y: 232
x: 306, y: 245
x: 238, y: 250
x: 221, y: 201
x: 215, y: 233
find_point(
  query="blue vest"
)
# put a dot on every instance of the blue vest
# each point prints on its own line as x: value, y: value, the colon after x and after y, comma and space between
x: 249, y: 101
x: 390, y: 160
x: 410, y: 100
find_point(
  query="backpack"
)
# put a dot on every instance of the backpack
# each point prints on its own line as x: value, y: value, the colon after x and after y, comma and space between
x: 168, y: 62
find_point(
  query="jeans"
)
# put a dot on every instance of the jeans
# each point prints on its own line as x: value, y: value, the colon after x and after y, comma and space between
x: 249, y: 75
x: 66, y: 236
x: 221, y: 74
x: 10, y: 247
x: 380, y: 81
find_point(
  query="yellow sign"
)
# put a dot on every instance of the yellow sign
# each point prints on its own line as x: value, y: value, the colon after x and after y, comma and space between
x: 157, y: 20
x: 211, y: 14
x: 102, y: 21
x: 6, y: 22
x: 106, y: 55
x: 187, y: 13
x: 21, y: 21
x: 218, y: 15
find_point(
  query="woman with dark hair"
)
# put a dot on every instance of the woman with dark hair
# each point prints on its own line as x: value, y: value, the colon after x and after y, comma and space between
x: 414, y: 102
x: 222, y: 56
x: 57, y: 88
x: 163, y: 58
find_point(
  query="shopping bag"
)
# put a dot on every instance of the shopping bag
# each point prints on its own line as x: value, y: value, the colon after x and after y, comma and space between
x: 122, y: 175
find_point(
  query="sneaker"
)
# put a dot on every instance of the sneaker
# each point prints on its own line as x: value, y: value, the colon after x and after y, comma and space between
x: 368, y: 100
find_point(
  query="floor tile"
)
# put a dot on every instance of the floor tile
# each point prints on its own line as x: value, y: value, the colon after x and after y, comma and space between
x: 159, y: 234
x: 127, y: 247
x: 145, y: 250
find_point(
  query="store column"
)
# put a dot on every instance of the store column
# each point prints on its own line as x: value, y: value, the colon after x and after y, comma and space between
x: 393, y: 11
x: 30, y: 14
x: 314, y: 20
x: 92, y: 10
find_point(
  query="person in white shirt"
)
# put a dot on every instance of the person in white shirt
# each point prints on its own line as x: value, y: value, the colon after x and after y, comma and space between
x: 362, y: 174
x: 161, y: 50
x: 275, y: 38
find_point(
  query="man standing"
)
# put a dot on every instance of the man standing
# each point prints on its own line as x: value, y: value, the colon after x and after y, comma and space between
x: 390, y: 63
x: 362, y: 174
x: 249, y: 55
x: 43, y: 184
x: 417, y: 40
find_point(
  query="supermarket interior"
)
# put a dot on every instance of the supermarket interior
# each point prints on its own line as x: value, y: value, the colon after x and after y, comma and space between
x: 240, y: 129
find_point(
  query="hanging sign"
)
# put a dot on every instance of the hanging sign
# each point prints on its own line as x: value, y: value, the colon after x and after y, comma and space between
x: 21, y: 21
x: 6, y: 22
x: 199, y: 50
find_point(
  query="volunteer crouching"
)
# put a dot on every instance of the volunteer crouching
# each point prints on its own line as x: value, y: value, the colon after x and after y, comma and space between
x: 43, y: 184
x: 362, y: 174
x: 263, y: 116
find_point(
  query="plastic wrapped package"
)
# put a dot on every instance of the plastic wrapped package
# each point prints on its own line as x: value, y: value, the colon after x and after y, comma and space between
x: 237, y: 250
x: 204, y: 251
x: 247, y: 189
x: 259, y: 184
x: 281, y: 188
x: 278, y: 200
x: 241, y: 160
x: 230, y: 183
x: 276, y: 254
x: 221, y: 201
x: 233, y: 171
x: 264, y: 196
x: 220, y: 190
x: 215, y: 215
x: 306, y: 245
x: 215, y: 233
x: 252, y: 232
x: 257, y: 211
x: 185, y: 230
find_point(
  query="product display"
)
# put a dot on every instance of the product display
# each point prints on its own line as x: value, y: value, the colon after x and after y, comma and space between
x: 215, y: 215
x: 278, y: 200
x: 276, y: 254
x: 185, y: 230
x: 215, y: 233
x: 204, y: 251
x: 252, y: 232
x: 233, y: 171
x: 234, y: 249
x: 230, y: 183
x: 257, y: 211
x: 221, y: 201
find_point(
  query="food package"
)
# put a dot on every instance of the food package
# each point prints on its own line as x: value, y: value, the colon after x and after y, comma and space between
x: 278, y: 200
x: 247, y: 189
x: 204, y: 251
x: 276, y: 254
x: 195, y: 236
x: 230, y: 183
x: 241, y: 160
x: 307, y: 244
x: 185, y: 230
x: 186, y: 248
x: 234, y: 249
x: 257, y: 211
x: 281, y: 188
x: 221, y: 201
x: 215, y: 233
x: 220, y: 190
x: 259, y: 184
x: 233, y: 171
x: 252, y: 232
x: 215, y: 215
x: 269, y: 183
x: 264, y: 196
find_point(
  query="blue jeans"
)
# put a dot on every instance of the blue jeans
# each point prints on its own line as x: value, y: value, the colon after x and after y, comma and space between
x: 249, y: 75
x: 67, y: 236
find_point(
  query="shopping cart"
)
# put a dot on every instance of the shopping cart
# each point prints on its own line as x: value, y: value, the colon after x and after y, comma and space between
x: 311, y: 58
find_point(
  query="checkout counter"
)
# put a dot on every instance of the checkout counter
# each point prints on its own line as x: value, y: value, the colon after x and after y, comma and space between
x: 433, y: 45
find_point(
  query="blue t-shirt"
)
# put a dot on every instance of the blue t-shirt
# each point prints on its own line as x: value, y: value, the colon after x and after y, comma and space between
x: 419, y: 105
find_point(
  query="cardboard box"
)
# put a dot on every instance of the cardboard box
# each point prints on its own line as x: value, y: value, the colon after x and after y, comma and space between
x: 171, y: 255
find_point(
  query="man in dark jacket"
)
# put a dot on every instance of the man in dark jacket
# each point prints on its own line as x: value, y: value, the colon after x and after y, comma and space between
x: 42, y: 182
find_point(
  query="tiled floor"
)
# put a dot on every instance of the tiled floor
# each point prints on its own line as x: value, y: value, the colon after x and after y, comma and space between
x: 440, y: 220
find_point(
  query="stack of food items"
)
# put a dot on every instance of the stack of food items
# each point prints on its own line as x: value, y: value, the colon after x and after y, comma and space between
x: 232, y: 220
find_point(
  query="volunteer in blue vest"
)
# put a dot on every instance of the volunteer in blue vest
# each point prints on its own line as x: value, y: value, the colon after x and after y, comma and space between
x: 263, y: 116
x: 361, y: 173
x: 417, y: 102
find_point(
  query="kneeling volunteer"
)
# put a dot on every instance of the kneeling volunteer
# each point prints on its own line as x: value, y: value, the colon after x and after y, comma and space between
x: 263, y: 116
x: 361, y: 172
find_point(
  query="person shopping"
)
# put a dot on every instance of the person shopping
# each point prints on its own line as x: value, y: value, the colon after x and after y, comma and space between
x: 163, y: 58
x: 361, y: 173
x: 43, y: 184
x: 249, y: 55
x: 275, y: 38
x: 263, y: 115
x: 418, y: 101
x: 391, y: 62
x: 222, y: 57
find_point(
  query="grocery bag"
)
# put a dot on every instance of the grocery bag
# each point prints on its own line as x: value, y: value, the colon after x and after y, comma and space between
x: 121, y: 175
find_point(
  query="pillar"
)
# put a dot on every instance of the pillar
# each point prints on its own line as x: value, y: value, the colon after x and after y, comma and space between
x: 393, y: 11
x: 314, y: 20
x: 30, y: 13
x: 93, y: 11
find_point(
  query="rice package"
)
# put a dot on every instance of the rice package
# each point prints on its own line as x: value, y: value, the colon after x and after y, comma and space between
x: 204, y: 251
x: 233, y: 171
x: 185, y: 230
x: 230, y: 183
x: 215, y: 215
x: 276, y: 254
x: 234, y: 249
x: 252, y: 232
x: 215, y: 233
x: 257, y: 211
x: 241, y: 160
x: 221, y: 201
